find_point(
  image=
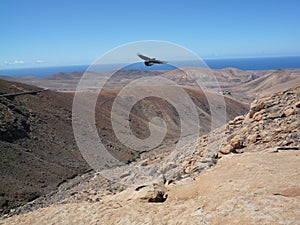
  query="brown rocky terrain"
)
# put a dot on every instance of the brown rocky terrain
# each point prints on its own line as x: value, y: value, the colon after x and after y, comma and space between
x: 146, y: 109
x: 255, y: 179
x: 38, y: 149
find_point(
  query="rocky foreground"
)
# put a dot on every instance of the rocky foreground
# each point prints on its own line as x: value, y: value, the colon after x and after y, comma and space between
x: 246, y: 172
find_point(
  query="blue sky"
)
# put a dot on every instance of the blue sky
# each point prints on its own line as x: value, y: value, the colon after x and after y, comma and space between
x: 57, y: 32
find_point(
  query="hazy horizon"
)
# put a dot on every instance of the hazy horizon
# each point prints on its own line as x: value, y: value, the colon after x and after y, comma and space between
x: 26, y: 66
x: 259, y: 63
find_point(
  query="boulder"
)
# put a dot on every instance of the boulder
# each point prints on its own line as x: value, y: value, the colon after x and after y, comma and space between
x: 257, y: 116
x: 289, y: 111
x: 226, y: 149
x: 273, y: 115
x: 256, y: 107
x: 238, y: 120
x: 237, y: 143
x: 151, y: 193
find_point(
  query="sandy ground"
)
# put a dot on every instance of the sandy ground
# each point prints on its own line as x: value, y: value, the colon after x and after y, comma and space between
x: 251, y: 188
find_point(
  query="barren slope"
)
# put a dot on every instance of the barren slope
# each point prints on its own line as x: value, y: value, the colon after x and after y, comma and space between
x: 38, y: 150
x: 256, y: 181
x: 146, y: 109
x: 243, y: 84
x: 37, y: 144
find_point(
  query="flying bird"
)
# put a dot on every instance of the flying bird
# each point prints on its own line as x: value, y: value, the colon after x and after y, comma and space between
x: 150, y: 61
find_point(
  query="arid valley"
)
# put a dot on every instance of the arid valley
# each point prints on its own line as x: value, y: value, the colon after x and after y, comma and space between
x: 246, y: 170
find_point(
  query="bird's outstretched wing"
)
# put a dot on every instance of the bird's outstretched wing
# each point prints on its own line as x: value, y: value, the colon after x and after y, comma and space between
x: 158, y: 61
x: 144, y: 57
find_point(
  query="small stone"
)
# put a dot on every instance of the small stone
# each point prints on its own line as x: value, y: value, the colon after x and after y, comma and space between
x: 151, y: 193
x: 95, y: 198
x: 201, y: 152
x: 231, y: 122
x: 289, y: 111
x: 277, y: 130
x: 257, y: 116
x: 226, y: 149
x: 219, y: 155
x: 297, y: 104
x: 273, y: 115
x: 92, y: 192
x: 256, y: 107
x: 239, y: 118
x: 237, y: 143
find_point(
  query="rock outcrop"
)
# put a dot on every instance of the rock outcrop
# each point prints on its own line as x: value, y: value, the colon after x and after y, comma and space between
x: 273, y: 122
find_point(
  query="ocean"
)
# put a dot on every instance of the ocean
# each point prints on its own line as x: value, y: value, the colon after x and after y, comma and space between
x: 242, y: 63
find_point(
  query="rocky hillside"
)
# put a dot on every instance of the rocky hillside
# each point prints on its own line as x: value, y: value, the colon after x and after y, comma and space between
x: 271, y: 124
x: 150, y: 107
x: 273, y: 121
x: 38, y: 149
x: 251, y: 176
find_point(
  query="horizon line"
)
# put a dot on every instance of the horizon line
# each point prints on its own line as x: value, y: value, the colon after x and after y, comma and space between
x: 7, y: 67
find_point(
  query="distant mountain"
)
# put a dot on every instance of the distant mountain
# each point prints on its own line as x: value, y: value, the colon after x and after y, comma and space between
x: 243, y: 84
x: 270, y: 82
